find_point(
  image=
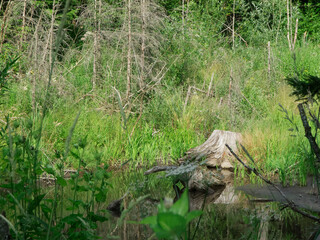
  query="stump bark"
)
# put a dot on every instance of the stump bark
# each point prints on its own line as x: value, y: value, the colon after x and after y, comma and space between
x: 217, y: 171
x: 214, y: 149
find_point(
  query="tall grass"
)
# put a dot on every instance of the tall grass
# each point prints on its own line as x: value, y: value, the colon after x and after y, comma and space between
x: 164, y: 131
x: 32, y: 212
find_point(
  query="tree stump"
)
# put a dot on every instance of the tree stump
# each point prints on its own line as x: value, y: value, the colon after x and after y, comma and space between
x: 216, y: 172
x: 214, y: 150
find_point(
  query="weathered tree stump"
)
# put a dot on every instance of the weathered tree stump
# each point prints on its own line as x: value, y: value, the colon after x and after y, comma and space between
x: 216, y: 172
x: 214, y: 150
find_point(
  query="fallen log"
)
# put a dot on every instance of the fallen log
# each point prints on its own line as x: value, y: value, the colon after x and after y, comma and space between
x: 159, y: 169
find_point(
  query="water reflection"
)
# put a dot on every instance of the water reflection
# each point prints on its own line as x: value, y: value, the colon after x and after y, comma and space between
x: 228, y: 214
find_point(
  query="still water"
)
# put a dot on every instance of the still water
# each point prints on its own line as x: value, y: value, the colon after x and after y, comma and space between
x: 228, y: 213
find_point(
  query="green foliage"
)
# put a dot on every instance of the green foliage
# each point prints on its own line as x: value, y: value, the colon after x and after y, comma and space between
x: 4, y: 74
x: 33, y: 211
x: 310, y: 21
x: 305, y: 87
x: 171, y: 222
x: 263, y: 20
x: 179, y: 53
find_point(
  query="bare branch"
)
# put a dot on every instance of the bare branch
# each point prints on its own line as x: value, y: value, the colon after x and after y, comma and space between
x: 290, y: 203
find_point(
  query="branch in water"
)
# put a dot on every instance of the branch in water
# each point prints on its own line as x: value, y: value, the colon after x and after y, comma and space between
x: 290, y: 203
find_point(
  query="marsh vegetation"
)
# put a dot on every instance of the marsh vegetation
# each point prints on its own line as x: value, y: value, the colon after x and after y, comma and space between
x: 93, y: 93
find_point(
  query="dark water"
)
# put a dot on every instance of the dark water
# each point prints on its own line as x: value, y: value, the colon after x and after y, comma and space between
x: 228, y: 214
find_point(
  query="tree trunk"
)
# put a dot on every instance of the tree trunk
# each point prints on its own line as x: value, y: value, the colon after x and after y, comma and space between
x: 288, y: 24
x: 143, y: 20
x: 1, y: 4
x: 312, y: 140
x: 4, y: 24
x: 95, y: 48
x: 183, y: 13
x: 23, y: 23
x: 33, y: 54
x: 233, y: 23
x: 50, y: 37
x: 129, y: 53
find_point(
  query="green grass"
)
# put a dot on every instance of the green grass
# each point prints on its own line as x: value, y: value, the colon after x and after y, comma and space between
x: 244, y: 98
x: 164, y: 131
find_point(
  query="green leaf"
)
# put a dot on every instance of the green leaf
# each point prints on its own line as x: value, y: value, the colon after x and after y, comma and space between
x: 101, y: 196
x: 152, y: 220
x: 61, y: 181
x: 162, y: 207
x: 75, y: 204
x: 96, y: 217
x: 45, y: 210
x: 172, y: 223
x: 35, y: 203
x: 71, y: 219
x: 99, y: 174
x: 49, y: 169
x: 81, y: 188
x: 181, y: 207
x: 75, y: 155
x: 192, y: 215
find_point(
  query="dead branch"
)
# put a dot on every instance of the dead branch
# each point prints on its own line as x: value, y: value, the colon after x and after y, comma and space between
x: 295, y: 34
x: 269, y: 60
x: 290, y: 203
x: 210, y: 85
x: 233, y: 31
x: 187, y: 98
x: 188, y: 95
x: 159, y: 169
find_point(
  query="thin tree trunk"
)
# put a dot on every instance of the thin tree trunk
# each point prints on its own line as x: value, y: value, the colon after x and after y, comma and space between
x: 230, y: 100
x: 210, y: 85
x: 99, y: 17
x: 269, y: 60
x: 35, y: 56
x: 4, y: 24
x: 313, y: 143
x: 288, y: 24
x: 95, y: 49
x: 143, y: 19
x: 230, y: 88
x: 1, y: 3
x: 295, y: 34
x: 50, y: 36
x: 278, y: 28
x: 187, y: 12
x: 23, y: 23
x: 233, y: 23
x: 183, y: 13
x: 187, y: 98
x: 32, y: 10
x: 98, y: 34
x: 129, y: 52
x: 304, y: 39
x: 291, y: 21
